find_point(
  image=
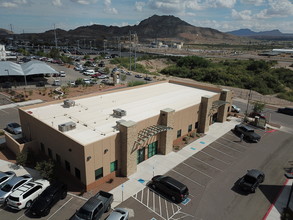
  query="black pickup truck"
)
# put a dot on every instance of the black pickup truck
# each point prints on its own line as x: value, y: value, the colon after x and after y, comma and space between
x: 251, y: 180
x: 247, y: 132
x: 94, y: 208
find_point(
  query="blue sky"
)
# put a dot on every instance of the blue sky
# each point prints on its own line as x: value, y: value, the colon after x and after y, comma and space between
x: 34, y: 16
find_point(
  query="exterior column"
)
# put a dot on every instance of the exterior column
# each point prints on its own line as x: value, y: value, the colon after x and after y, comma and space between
x: 226, y: 95
x: 128, y: 135
x: 166, y: 137
x: 204, y: 116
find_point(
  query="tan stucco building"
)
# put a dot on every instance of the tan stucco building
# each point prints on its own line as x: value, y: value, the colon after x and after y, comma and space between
x: 101, y: 135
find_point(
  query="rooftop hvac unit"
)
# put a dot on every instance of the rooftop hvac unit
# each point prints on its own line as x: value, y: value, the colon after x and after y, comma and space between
x: 69, y: 103
x: 119, y: 112
x: 67, y: 126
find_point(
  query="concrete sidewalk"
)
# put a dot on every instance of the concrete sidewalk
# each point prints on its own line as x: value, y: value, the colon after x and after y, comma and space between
x: 160, y: 164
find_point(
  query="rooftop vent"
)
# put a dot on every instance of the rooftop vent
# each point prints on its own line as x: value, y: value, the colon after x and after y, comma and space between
x: 69, y: 103
x: 119, y: 112
x: 67, y: 126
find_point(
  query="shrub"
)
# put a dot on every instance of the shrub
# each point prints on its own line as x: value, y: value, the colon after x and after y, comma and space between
x: 193, y: 134
x: 46, y: 169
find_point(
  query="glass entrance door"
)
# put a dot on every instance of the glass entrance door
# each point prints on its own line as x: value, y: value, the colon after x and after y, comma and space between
x: 140, y: 155
x: 152, y: 149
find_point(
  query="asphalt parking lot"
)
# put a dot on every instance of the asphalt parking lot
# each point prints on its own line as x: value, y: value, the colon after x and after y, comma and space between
x: 205, y: 168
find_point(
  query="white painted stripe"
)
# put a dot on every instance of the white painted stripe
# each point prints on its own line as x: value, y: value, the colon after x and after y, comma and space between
x: 222, y: 152
x: 234, y: 142
x: 59, y: 208
x: 188, y: 178
x: 77, y: 196
x: 167, y: 209
x: 160, y: 206
x: 214, y: 157
x: 229, y: 147
x: 207, y: 164
x: 197, y: 170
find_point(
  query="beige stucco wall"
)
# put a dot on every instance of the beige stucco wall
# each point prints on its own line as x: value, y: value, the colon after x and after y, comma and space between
x: 58, y: 142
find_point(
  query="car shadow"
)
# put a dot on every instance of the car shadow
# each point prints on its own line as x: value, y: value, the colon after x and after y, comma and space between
x: 237, y: 189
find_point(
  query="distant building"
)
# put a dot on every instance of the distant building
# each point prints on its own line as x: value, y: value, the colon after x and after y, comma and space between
x: 2, y: 52
x: 283, y: 50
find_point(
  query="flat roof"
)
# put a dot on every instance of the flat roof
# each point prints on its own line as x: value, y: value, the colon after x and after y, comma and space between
x: 94, y: 115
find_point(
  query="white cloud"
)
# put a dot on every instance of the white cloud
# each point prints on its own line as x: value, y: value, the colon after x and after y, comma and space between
x: 277, y: 8
x: 108, y: 7
x: 167, y: 6
x: 139, y: 6
x: 12, y: 3
x: 241, y: 15
x: 221, y: 3
x: 57, y: 3
x: 82, y: 2
x: 253, y: 2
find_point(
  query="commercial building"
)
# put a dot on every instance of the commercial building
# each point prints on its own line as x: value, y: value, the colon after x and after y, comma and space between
x: 102, y: 135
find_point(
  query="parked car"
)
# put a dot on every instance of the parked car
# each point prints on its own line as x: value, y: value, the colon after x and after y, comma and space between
x: 251, y: 180
x: 89, y: 72
x: 87, y: 81
x: 286, y: 110
x: 5, y: 176
x: 118, y: 214
x: 43, y: 204
x: 138, y: 76
x: 62, y: 73
x: 24, y: 196
x: 103, y: 76
x: 12, y: 185
x: 247, y: 132
x: 94, y: 208
x: 14, y: 128
x: 170, y: 187
x: 56, y: 82
x: 234, y: 108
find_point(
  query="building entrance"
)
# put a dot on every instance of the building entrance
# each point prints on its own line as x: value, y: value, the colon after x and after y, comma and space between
x: 152, y: 149
x: 140, y: 155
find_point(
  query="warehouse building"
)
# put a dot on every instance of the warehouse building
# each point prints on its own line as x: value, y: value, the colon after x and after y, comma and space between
x: 102, y: 135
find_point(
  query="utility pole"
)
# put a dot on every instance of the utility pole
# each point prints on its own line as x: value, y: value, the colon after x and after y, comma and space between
x: 130, y: 50
x: 55, y: 37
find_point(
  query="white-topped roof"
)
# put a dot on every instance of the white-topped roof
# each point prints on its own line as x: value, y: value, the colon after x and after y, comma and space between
x: 94, y: 115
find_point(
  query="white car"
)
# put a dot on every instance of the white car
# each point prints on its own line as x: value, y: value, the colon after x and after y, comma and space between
x: 235, y: 109
x: 89, y: 72
x: 62, y: 73
x: 5, y: 176
x: 119, y: 214
x: 24, y: 196
x: 87, y: 81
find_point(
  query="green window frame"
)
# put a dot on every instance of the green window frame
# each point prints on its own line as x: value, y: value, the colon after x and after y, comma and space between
x: 179, y: 133
x: 113, y: 166
x: 190, y: 128
x: 99, y: 173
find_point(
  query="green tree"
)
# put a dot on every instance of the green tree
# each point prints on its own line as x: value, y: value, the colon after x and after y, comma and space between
x: 258, y: 107
x: 46, y: 169
x: 22, y: 158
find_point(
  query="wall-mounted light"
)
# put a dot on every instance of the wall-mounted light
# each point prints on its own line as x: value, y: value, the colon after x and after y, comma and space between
x: 105, y: 151
x: 88, y: 158
x: 69, y: 149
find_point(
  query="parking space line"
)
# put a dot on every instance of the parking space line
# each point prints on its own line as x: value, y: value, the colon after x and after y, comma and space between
x: 196, y: 170
x: 59, y: 208
x: 215, y: 157
x: 148, y: 198
x: 4, y: 111
x: 207, y: 164
x: 77, y: 196
x: 221, y: 152
x: 234, y: 142
x: 188, y: 178
x: 20, y: 216
x: 167, y: 213
x: 229, y: 147
x: 160, y: 206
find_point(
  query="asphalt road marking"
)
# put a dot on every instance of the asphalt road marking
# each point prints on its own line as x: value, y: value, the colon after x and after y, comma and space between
x: 59, y: 208
x: 222, y: 152
x: 196, y: 170
x: 214, y: 157
x: 77, y: 196
x: 188, y: 178
x: 228, y: 147
x: 207, y: 164
x: 234, y: 142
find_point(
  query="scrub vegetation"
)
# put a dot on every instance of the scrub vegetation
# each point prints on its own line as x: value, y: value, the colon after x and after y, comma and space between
x: 258, y: 75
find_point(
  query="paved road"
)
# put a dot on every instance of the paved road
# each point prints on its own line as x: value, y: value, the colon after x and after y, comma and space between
x: 272, y: 115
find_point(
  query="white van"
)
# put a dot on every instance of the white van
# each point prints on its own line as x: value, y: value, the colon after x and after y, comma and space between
x: 62, y: 73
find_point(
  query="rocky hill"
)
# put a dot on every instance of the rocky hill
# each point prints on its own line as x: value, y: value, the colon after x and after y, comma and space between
x: 163, y: 28
x: 5, y: 32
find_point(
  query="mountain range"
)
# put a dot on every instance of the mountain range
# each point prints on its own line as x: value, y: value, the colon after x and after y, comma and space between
x: 269, y: 35
x: 166, y: 28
